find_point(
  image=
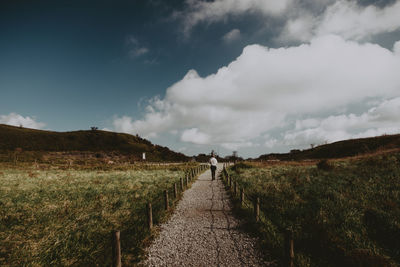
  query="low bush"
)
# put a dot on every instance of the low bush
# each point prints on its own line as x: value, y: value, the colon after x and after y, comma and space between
x: 241, y: 165
x: 325, y: 165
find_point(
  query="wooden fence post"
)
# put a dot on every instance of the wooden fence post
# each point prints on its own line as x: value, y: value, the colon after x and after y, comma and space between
x: 289, y: 248
x: 166, y: 199
x: 182, y: 184
x: 116, y: 249
x: 187, y: 182
x: 257, y: 209
x: 149, y: 216
x: 241, y: 197
x: 234, y: 188
x: 175, y: 191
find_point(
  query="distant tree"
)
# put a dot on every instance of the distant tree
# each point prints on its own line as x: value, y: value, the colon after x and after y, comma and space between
x: 235, y: 156
x: 94, y: 128
x: 312, y: 145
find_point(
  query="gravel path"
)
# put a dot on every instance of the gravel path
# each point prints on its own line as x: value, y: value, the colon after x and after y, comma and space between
x: 203, y: 232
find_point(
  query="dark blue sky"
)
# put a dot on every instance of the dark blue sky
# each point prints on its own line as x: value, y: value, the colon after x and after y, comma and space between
x: 258, y: 77
x: 68, y: 63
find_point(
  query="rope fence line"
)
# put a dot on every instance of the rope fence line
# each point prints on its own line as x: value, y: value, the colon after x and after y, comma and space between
x: 167, y: 198
x: 252, y: 202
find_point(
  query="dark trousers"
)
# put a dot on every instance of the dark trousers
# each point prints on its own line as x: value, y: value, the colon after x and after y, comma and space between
x: 213, y: 169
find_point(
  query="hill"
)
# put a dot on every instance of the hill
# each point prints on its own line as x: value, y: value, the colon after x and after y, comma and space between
x: 340, y: 149
x: 12, y: 138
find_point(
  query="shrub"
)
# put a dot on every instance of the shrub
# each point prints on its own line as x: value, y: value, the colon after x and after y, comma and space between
x: 241, y: 165
x: 324, y: 165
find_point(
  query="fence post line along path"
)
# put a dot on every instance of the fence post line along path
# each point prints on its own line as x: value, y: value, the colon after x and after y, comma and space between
x: 202, y: 230
x: 289, y: 250
x: 288, y: 234
x: 149, y: 216
x: 116, y: 249
x: 149, y: 209
x: 175, y: 191
x: 116, y: 236
x: 166, y: 204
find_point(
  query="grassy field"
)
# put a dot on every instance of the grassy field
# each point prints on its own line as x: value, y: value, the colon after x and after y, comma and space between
x: 31, y: 144
x: 341, y: 149
x: 56, y: 217
x: 343, y: 213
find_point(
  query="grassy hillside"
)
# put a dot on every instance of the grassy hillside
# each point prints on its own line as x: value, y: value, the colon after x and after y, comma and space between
x: 347, y: 148
x: 345, y: 215
x: 12, y: 138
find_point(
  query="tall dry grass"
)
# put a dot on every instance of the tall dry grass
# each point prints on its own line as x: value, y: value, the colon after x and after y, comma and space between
x: 55, y: 217
x: 344, y: 215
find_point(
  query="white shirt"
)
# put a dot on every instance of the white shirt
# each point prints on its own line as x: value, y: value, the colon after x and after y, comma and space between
x: 213, y: 161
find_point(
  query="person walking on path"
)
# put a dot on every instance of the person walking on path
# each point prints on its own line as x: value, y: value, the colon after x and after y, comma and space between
x: 203, y: 232
x: 213, y: 161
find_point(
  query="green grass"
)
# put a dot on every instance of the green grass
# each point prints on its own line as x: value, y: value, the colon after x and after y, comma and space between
x: 341, y: 149
x: 346, y: 216
x: 65, y: 217
x: 30, y: 144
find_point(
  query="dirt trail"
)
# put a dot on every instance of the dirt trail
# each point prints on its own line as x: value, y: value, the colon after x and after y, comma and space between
x: 203, y: 232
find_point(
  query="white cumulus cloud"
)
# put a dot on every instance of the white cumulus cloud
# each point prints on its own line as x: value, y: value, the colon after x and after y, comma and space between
x: 381, y: 119
x: 199, y: 11
x: 231, y: 36
x: 257, y: 93
x: 344, y: 18
x: 19, y: 120
x: 194, y: 136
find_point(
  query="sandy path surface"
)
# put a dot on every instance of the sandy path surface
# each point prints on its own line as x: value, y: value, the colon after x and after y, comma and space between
x: 203, y: 232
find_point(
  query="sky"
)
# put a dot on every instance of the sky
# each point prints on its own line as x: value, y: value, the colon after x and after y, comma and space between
x: 253, y: 76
